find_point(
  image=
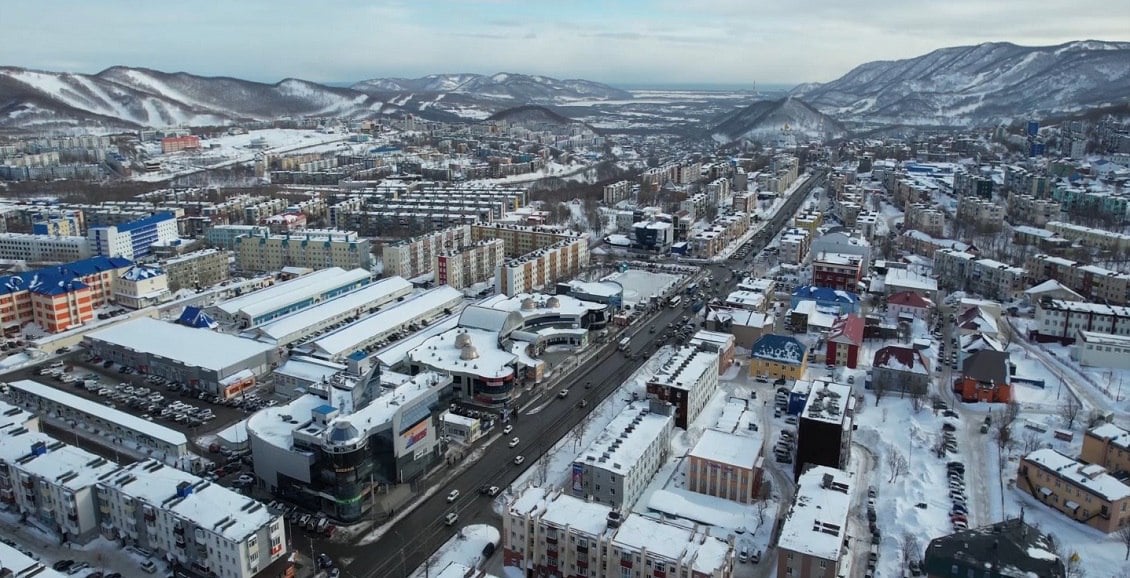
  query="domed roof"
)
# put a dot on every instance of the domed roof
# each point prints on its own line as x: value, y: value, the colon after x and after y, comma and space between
x: 342, y: 431
x: 462, y: 340
x: 553, y: 303
x: 528, y: 304
x: 468, y: 353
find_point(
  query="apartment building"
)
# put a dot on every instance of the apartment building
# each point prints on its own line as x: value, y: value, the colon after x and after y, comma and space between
x: 470, y: 264
x: 825, y: 426
x: 686, y: 380
x: 837, y: 271
x: 197, y: 270
x: 982, y: 213
x: 132, y: 239
x: 813, y: 539
x: 172, y: 144
x: 1025, y: 208
x: 918, y: 242
x: 203, y: 526
x: 794, y: 245
x: 59, y: 298
x: 617, y: 192
x: 958, y: 270
x: 1091, y: 237
x: 141, y: 286
x: 726, y: 465
x: 1084, y: 492
x: 223, y: 236
x: 312, y: 248
x: 414, y: 257
x: 616, y: 468
x: 42, y: 248
x: 845, y: 339
x: 925, y: 218
x: 51, y: 482
x: 1098, y: 202
x: 548, y: 533
x: 1107, y: 445
x: 1090, y: 281
x: 1060, y: 319
x: 720, y: 233
x: 543, y: 268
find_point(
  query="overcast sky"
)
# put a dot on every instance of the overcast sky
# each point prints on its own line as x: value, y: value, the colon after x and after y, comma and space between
x: 613, y: 41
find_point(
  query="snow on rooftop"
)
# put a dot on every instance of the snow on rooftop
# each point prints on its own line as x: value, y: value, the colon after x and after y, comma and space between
x: 13, y: 415
x: 309, y: 369
x: 745, y: 299
x: 563, y: 510
x: 69, y: 466
x: 376, y: 293
x: 209, y: 506
x: 290, y: 292
x: 665, y: 539
x: 816, y: 524
x: 740, y: 317
x: 640, y: 285
x: 685, y: 368
x: 350, y: 338
x: 827, y: 402
x: 381, y: 410
x: 191, y: 346
x: 1091, y: 477
x: 727, y: 448
x: 23, y: 565
x: 109, y: 414
x: 629, y: 445
x: 1115, y: 434
x: 276, y: 425
x: 534, y: 305
x: 597, y: 288
x: 907, y: 278
x: 482, y: 355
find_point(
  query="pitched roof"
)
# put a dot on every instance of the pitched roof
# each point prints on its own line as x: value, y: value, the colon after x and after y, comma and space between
x: 59, y: 278
x: 986, y: 366
x: 196, y: 317
x: 779, y: 348
x: 815, y: 293
x: 909, y: 299
x: 847, y: 329
x: 901, y: 358
x: 1010, y: 546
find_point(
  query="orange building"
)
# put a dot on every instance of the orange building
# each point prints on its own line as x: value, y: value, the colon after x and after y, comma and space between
x: 173, y: 144
x: 984, y: 377
x: 59, y: 298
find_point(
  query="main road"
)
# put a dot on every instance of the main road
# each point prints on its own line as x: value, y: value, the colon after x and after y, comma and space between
x: 412, y: 540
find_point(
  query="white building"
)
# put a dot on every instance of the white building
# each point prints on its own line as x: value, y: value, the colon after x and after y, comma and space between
x: 1061, y: 319
x: 355, y: 304
x: 259, y: 307
x: 204, y: 526
x: 813, y: 537
x: 141, y: 287
x: 686, y: 380
x: 1102, y: 350
x: 43, y: 248
x: 616, y: 468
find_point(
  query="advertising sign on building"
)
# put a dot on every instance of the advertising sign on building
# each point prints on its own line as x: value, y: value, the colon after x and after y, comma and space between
x: 578, y: 478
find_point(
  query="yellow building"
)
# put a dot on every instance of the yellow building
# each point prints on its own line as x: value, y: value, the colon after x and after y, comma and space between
x: 778, y: 357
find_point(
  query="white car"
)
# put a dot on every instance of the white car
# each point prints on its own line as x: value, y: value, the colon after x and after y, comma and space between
x: 454, y: 495
x: 514, y: 442
x: 506, y: 430
x: 451, y: 518
x: 563, y: 393
x: 518, y: 460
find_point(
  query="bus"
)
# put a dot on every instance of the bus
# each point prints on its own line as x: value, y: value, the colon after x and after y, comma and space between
x: 624, y: 343
x: 675, y: 301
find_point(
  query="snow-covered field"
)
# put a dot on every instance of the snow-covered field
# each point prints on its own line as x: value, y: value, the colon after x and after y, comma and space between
x: 234, y: 149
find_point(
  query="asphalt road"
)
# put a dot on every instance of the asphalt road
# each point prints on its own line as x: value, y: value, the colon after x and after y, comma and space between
x: 414, y: 538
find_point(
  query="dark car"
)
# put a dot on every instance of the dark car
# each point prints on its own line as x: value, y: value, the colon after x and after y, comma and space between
x: 63, y: 565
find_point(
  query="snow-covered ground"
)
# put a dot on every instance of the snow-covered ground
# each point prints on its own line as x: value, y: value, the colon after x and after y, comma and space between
x: 640, y: 285
x: 102, y: 555
x: 234, y: 149
x: 464, y: 549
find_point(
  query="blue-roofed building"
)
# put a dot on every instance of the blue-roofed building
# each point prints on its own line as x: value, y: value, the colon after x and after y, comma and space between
x: 133, y: 239
x: 61, y: 297
x: 142, y: 286
x: 778, y: 357
x: 843, y: 302
x: 196, y: 317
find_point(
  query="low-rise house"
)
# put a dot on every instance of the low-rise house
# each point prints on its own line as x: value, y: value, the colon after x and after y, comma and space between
x: 778, y: 357
x: 1011, y: 545
x: 897, y: 368
x: 1084, y: 492
x: 844, y: 341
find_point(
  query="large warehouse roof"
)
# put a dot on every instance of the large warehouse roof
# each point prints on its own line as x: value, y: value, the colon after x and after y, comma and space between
x: 289, y: 292
x: 379, y: 292
x: 349, y: 339
x: 192, y: 347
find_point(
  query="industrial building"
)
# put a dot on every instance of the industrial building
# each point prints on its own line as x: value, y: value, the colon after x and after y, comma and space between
x: 348, y: 306
x: 259, y: 307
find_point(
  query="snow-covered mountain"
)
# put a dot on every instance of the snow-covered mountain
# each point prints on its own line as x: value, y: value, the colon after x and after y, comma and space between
x: 777, y: 120
x: 128, y: 98
x: 977, y: 85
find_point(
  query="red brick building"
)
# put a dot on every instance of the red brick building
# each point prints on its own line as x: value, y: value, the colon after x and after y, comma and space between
x: 837, y: 271
x: 844, y: 341
x: 173, y: 144
x: 984, y: 377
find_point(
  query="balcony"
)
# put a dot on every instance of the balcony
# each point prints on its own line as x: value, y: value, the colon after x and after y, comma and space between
x: 178, y: 530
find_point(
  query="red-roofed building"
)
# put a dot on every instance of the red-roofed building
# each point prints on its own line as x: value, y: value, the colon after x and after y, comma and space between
x: 844, y: 340
x: 897, y: 368
x: 908, y: 304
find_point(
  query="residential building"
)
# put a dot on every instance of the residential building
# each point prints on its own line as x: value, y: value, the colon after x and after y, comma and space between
x: 715, y: 342
x: 1107, y: 445
x: 809, y: 221
x: 1092, y: 237
x: 133, y: 239
x: 746, y: 326
x: 686, y: 380
x: 543, y: 268
x: 172, y: 144
x: 1091, y: 281
x: 982, y: 213
x: 617, y: 192
x: 51, y: 482
x: 825, y: 426
x: 750, y: 300
x: 902, y: 369
x: 414, y: 257
x: 922, y: 244
x: 43, y: 248
x: 310, y: 248
x: 843, y: 244
x: 984, y: 377
x: 842, y: 302
x: 925, y: 218
x: 21, y: 564
x: 996, y: 280
x: 1061, y: 320
x: 1084, y: 492
x: 793, y: 247
x: 909, y: 305
x: 141, y: 286
x: 837, y: 271
x: 202, y: 526
x: 778, y: 357
x: 468, y: 265
x: 59, y: 298
x: 1024, y: 208
x: 1010, y: 546
x: 726, y: 465
x: 813, y: 539
x: 197, y: 270
x: 616, y: 467
x: 905, y: 280
x: 844, y: 341
x: 223, y: 236
x: 1101, y: 350
x: 548, y: 533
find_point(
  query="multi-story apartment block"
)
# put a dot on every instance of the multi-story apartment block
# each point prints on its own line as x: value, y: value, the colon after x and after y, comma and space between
x: 980, y: 212
x: 223, y: 236
x: 813, y: 536
x: 203, y: 526
x: 51, y: 482
x: 58, y: 226
x: 1091, y: 237
x: 1061, y: 320
x: 726, y: 465
x: 825, y: 427
x: 59, y: 298
x: 311, y: 248
x: 172, y: 144
x: 1090, y: 281
x: 724, y: 230
x: 617, y: 192
x: 794, y: 246
x: 132, y: 240
x: 468, y: 265
x: 616, y: 468
x: 996, y: 280
x: 197, y: 270
x: 1084, y: 492
x: 925, y: 245
x: 543, y: 268
x: 687, y: 380
x: 837, y: 271
x: 925, y: 218
x: 1107, y: 445
x: 414, y: 257
x: 43, y: 249
x: 809, y: 221
x: 548, y: 533
x: 141, y: 286
x: 1102, y: 203
x: 1024, y: 208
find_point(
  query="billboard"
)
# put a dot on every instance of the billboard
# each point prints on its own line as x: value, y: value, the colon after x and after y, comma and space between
x: 578, y: 479
x: 414, y: 434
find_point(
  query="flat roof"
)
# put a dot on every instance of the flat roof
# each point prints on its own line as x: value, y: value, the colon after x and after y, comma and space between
x: 13, y: 415
x: 23, y: 565
x: 539, y: 304
x: 686, y: 366
x: 191, y: 346
x: 394, y: 353
x: 664, y: 539
x: 88, y: 407
x: 210, y: 506
x: 269, y: 424
x: 349, y: 338
x: 309, y: 368
x: 827, y: 402
x: 629, y: 445
x: 490, y: 361
x: 377, y: 292
x: 290, y: 292
x: 817, y: 521
x: 564, y: 510
x: 727, y: 448
x: 70, y: 467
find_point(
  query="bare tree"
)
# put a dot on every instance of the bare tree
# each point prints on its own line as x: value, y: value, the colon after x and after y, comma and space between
x: 1096, y: 418
x: 541, y: 470
x: 1124, y: 537
x: 1031, y: 441
x: 879, y: 388
x: 896, y: 462
x: 917, y: 397
x: 910, y: 548
x: 1069, y: 411
x: 578, y: 432
x: 763, y: 505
